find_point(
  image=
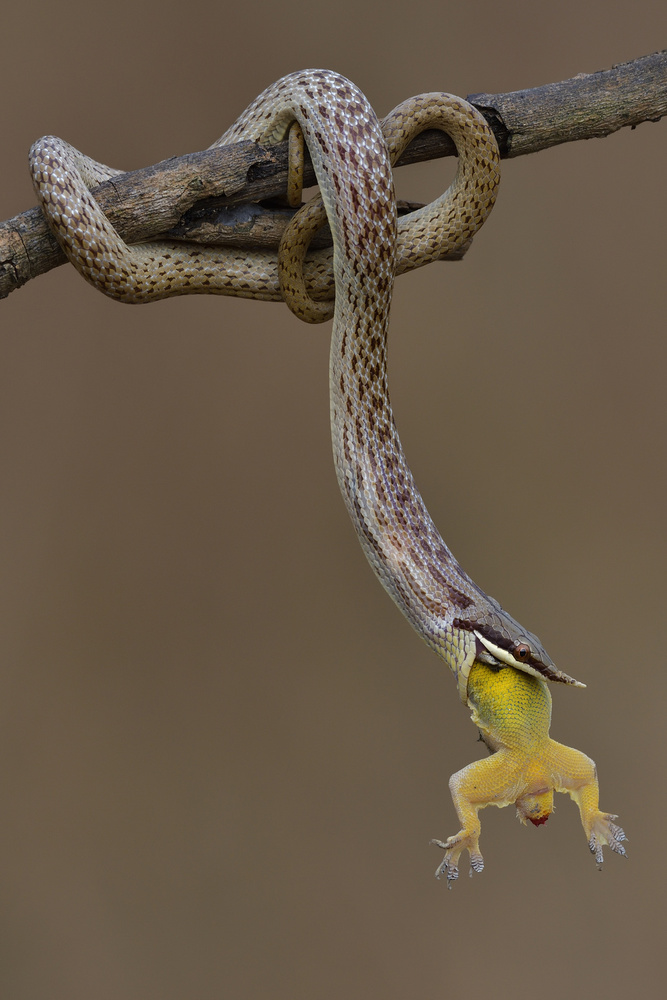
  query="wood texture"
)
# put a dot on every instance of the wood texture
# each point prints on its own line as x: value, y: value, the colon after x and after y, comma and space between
x: 215, y: 196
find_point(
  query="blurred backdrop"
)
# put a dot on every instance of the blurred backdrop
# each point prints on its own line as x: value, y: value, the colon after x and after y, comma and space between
x: 223, y: 752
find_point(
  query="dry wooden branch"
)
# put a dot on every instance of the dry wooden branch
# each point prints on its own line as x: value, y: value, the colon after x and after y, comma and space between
x: 216, y: 196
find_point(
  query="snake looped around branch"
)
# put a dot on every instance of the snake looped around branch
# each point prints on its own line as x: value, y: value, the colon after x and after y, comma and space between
x: 352, y: 155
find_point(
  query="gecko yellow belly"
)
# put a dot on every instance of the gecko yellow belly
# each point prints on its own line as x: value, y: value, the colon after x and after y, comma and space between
x: 512, y: 711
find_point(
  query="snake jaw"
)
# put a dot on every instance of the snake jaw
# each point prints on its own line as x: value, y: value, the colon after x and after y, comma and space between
x: 542, y: 667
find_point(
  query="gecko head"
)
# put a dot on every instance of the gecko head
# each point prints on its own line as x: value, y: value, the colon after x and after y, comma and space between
x: 537, y: 808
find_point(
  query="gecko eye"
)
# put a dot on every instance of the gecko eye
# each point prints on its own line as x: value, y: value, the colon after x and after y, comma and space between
x: 521, y: 651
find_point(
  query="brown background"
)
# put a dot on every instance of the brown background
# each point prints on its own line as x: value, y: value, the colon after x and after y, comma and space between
x: 223, y: 752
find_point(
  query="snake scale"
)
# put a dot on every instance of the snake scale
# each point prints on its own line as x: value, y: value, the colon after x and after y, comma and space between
x: 352, y: 155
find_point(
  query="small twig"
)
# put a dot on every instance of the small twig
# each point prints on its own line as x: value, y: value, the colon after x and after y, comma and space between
x: 213, y: 196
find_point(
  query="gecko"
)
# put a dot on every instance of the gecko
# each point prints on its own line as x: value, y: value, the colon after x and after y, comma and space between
x: 512, y: 711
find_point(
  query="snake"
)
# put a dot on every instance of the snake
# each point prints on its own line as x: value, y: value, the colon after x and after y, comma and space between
x: 352, y: 153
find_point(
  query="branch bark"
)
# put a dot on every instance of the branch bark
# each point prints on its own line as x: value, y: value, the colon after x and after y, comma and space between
x: 216, y: 196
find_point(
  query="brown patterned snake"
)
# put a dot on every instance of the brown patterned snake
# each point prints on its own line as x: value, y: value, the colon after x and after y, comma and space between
x: 352, y: 164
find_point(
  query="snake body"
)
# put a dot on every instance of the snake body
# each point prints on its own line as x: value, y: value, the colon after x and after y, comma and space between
x: 352, y: 162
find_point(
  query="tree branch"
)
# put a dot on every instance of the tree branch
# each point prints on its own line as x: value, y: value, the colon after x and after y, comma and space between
x: 215, y: 196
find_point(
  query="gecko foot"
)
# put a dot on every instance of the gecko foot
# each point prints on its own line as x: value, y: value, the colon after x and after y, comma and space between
x: 453, y: 848
x: 605, y: 831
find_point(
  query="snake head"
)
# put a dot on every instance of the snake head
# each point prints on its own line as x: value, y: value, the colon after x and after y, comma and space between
x: 501, y: 640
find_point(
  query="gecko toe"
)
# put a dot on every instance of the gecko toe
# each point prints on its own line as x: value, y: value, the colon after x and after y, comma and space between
x: 476, y: 864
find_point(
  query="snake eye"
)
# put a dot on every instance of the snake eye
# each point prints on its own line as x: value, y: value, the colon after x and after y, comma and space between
x: 521, y: 651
